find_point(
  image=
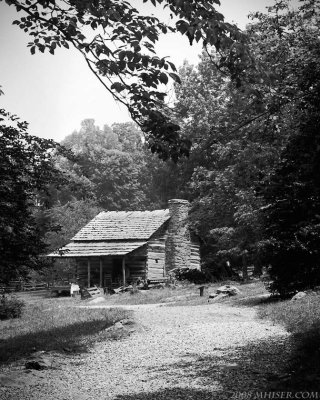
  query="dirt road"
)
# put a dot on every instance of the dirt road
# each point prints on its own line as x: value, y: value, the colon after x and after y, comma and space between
x: 188, y: 352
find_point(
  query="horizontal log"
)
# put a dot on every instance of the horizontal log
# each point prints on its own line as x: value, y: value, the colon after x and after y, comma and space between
x: 156, y: 266
x: 155, y: 275
x: 138, y: 272
x: 156, y: 270
x: 161, y: 245
x: 156, y: 250
x: 136, y: 263
x: 160, y: 263
x: 154, y: 254
x: 137, y: 269
x: 156, y: 260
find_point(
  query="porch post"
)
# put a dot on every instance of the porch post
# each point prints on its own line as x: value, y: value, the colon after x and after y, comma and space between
x: 89, y: 272
x: 101, y: 266
x: 77, y: 274
x: 124, y: 270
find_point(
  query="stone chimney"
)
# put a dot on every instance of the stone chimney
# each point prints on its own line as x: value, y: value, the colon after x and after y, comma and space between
x: 178, y: 246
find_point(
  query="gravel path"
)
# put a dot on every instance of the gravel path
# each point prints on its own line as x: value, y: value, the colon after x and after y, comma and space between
x: 186, y: 352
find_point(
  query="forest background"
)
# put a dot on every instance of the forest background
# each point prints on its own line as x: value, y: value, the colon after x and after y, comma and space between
x: 249, y: 165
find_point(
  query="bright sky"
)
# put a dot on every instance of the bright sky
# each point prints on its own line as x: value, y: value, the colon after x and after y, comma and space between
x: 55, y: 93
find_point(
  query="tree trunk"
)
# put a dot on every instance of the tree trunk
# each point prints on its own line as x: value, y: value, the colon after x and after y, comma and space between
x: 244, y: 268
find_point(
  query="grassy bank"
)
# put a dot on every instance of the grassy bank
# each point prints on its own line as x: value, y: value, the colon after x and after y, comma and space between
x: 297, y: 316
x: 302, y: 319
x: 188, y: 295
x: 155, y: 296
x: 53, y: 324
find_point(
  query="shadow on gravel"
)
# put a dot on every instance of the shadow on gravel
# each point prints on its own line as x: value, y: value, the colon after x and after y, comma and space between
x: 305, y: 371
x: 172, y: 394
x: 247, y: 371
x: 253, y: 301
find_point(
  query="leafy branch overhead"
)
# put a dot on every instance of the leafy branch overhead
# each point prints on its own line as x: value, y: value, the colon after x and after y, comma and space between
x: 118, y: 44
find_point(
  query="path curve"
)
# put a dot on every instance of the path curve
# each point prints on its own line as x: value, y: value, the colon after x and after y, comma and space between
x: 177, y: 352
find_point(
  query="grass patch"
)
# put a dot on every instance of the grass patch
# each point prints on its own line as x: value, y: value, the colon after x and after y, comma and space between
x: 302, y: 319
x: 152, y: 296
x: 297, y: 316
x: 54, y: 324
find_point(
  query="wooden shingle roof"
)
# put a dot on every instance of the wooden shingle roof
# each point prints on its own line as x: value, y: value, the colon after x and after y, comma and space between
x: 122, y: 225
x: 114, y: 233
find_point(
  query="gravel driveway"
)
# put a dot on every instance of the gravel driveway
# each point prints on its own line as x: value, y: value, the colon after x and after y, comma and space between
x: 178, y: 352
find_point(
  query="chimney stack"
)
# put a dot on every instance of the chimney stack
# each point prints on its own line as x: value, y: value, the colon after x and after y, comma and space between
x: 178, y: 245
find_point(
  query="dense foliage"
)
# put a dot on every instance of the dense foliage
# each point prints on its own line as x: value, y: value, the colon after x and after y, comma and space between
x: 26, y: 167
x: 293, y: 191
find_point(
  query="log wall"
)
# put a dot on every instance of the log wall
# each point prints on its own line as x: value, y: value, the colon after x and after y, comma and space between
x: 156, y: 259
x: 136, y: 263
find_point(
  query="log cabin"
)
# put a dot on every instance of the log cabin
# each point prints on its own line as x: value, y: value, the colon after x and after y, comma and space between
x: 119, y: 247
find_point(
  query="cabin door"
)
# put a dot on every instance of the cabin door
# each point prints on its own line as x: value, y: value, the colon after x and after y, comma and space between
x: 116, y: 274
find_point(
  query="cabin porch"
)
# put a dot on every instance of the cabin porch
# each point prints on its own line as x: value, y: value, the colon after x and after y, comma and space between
x: 110, y: 271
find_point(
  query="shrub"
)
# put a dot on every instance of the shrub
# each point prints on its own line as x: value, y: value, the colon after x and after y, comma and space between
x: 189, y: 274
x: 10, y: 307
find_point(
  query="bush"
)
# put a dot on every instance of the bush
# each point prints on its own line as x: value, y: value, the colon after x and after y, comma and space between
x: 10, y: 307
x: 189, y: 274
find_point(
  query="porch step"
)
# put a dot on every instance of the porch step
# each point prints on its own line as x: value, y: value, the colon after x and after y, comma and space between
x: 90, y: 292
